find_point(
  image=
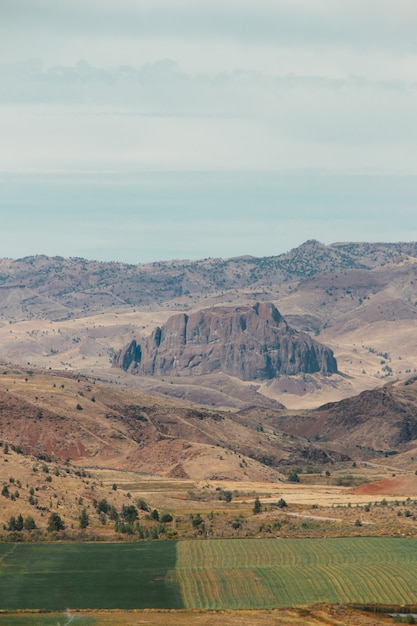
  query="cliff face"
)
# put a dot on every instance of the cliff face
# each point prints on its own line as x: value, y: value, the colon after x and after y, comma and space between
x: 251, y: 343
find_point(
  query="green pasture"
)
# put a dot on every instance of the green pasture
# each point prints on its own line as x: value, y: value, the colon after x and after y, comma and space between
x: 204, y: 574
x: 57, y: 577
x: 44, y: 619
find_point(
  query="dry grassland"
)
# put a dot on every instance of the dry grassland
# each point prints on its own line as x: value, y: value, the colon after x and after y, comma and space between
x: 323, y: 614
x: 86, y: 344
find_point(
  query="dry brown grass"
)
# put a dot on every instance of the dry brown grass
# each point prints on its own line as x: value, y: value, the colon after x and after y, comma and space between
x: 314, y: 508
x: 323, y: 614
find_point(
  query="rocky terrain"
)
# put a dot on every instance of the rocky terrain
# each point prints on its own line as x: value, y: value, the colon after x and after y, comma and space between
x: 251, y: 343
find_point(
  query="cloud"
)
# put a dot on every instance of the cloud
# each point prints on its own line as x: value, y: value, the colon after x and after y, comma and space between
x: 346, y: 22
x: 198, y: 85
x: 159, y: 116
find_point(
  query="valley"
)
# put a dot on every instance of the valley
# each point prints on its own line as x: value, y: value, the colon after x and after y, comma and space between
x: 287, y: 447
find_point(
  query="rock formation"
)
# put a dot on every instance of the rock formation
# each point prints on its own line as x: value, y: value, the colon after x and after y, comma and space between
x: 249, y: 342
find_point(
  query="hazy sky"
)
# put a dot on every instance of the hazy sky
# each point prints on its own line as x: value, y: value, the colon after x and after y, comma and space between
x: 141, y: 130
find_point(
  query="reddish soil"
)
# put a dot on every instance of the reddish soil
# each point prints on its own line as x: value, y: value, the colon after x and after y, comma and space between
x: 404, y: 486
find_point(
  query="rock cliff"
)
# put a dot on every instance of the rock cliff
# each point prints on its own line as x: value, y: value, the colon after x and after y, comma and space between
x: 249, y: 342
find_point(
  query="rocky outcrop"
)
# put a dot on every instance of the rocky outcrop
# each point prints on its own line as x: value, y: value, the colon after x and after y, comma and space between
x: 249, y: 342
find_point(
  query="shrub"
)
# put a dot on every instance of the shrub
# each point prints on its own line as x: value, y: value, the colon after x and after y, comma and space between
x: 142, y: 505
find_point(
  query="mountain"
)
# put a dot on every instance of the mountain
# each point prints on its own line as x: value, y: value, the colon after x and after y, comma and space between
x: 56, y: 287
x: 359, y: 299
x: 251, y: 343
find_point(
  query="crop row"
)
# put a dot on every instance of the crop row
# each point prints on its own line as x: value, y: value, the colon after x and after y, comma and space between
x: 270, y: 573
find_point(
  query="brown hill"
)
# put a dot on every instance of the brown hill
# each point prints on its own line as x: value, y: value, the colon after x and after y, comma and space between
x: 66, y: 419
x: 39, y: 286
x: 383, y: 419
x: 251, y: 343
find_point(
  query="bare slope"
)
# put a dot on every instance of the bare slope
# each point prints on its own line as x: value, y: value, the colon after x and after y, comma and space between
x: 383, y: 419
x: 65, y: 418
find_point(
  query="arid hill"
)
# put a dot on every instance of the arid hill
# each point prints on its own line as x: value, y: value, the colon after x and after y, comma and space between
x: 383, y: 419
x: 62, y: 418
x: 55, y: 287
x: 251, y: 343
x: 359, y: 299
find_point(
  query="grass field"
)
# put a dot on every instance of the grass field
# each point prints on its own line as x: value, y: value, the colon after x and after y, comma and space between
x: 214, y: 574
x: 61, y: 576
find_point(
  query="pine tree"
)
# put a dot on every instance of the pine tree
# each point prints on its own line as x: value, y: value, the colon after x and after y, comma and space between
x: 84, y: 519
x: 257, y: 506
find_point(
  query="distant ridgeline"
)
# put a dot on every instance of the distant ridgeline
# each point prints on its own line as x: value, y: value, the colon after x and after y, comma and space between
x: 249, y: 342
x: 57, y: 288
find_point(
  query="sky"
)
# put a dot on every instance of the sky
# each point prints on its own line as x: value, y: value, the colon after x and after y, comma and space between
x: 142, y: 130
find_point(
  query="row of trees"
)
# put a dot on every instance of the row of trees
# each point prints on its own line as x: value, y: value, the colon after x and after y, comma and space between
x: 20, y: 523
x: 55, y: 522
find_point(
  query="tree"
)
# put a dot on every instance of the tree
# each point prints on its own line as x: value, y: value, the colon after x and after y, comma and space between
x: 155, y: 515
x: 142, y: 504
x: 84, y: 519
x: 55, y: 523
x: 166, y: 518
x: 113, y: 514
x: 129, y: 513
x: 103, y: 506
x: 5, y: 491
x: 257, y: 506
x: 29, y: 523
x: 281, y: 503
x: 196, y: 520
x: 293, y: 477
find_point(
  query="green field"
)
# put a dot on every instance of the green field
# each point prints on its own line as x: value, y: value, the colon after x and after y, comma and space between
x: 257, y: 573
x: 60, y: 576
x: 44, y: 619
x: 213, y: 574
